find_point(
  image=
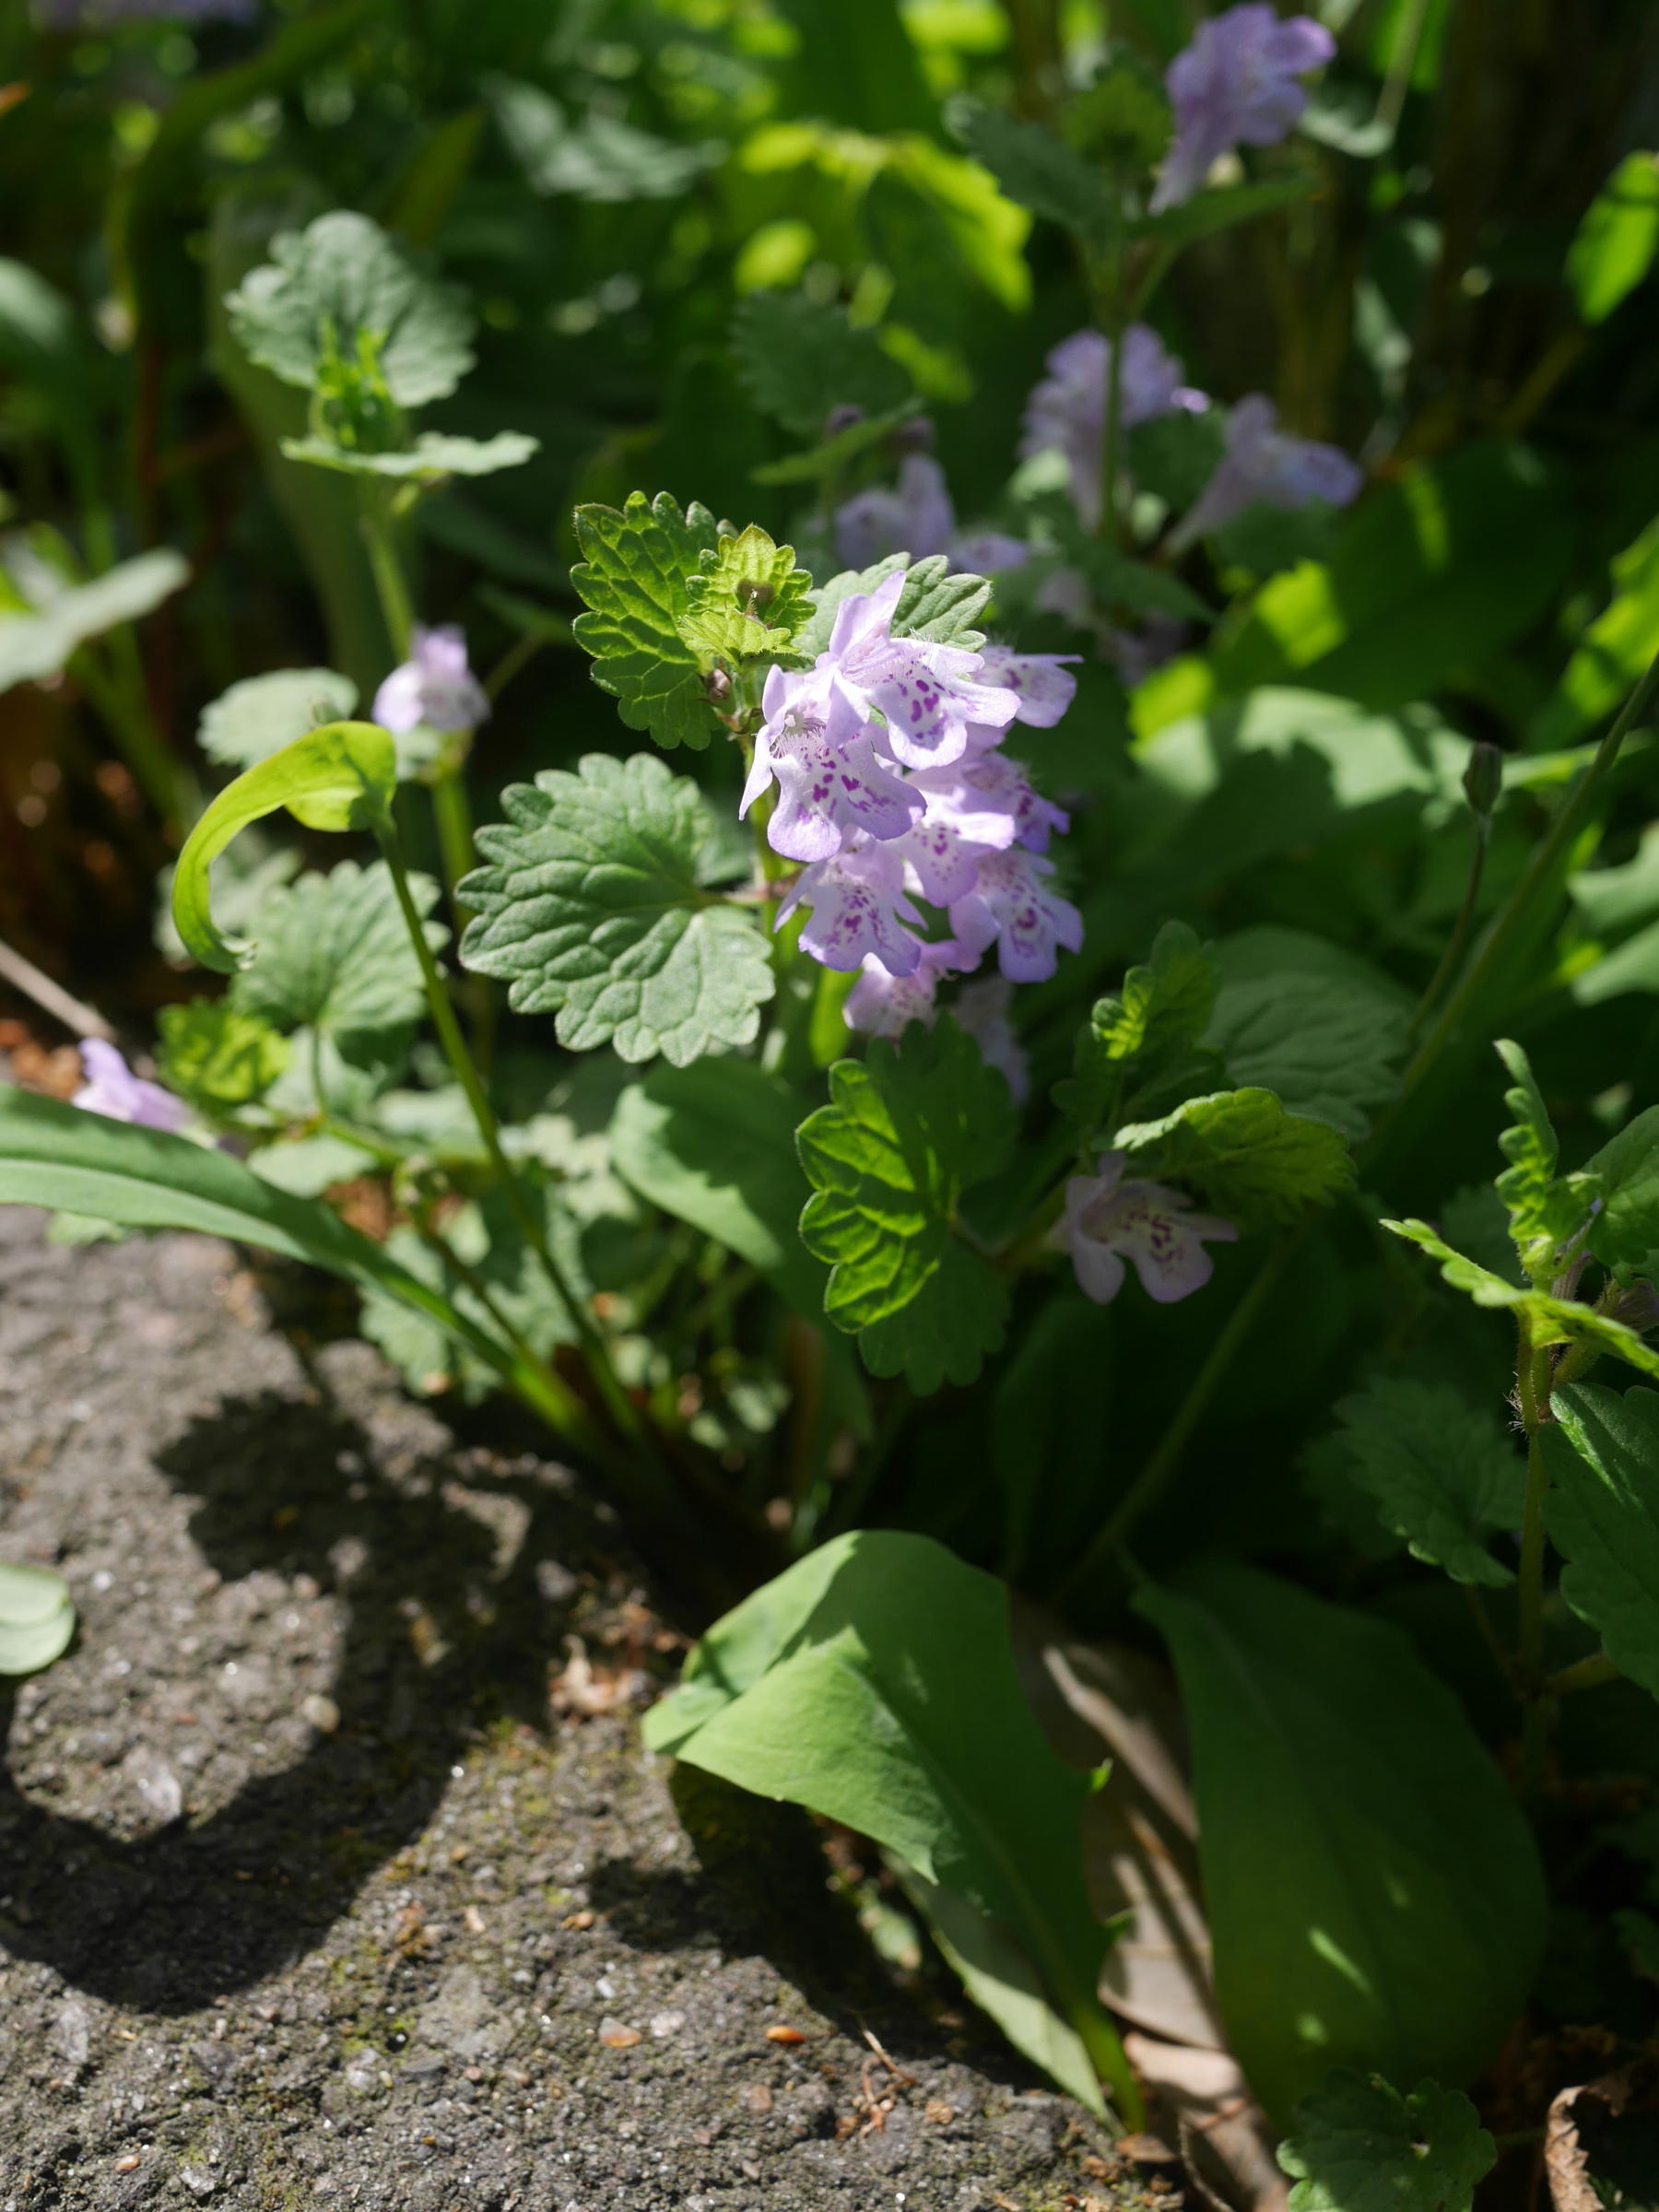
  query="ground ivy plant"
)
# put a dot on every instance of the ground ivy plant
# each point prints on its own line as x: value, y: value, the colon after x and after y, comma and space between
x: 945, y: 1079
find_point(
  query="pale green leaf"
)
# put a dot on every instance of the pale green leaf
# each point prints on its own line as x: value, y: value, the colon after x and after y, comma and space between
x: 1373, y: 1890
x: 1547, y: 1211
x: 1358, y: 2146
x: 748, y: 599
x: 633, y: 578
x: 591, y: 906
x: 345, y: 275
x: 41, y: 641
x: 1617, y: 239
x: 597, y: 157
x: 333, y: 953
x: 801, y: 357
x: 1610, y: 658
x: 434, y: 455
x: 1244, y: 1154
x: 340, y: 777
x: 37, y: 1618
x: 907, y: 1130
x: 1602, y: 1511
x: 258, y: 716
x: 1548, y: 1320
x: 216, y: 1056
x: 1440, y: 1474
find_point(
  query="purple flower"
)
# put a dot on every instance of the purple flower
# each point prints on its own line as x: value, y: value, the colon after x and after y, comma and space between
x: 883, y: 1004
x: 816, y: 745
x: 856, y: 910
x: 113, y: 1088
x: 1039, y: 680
x: 1068, y: 409
x: 1236, y: 85
x: 1011, y: 907
x: 918, y: 518
x: 1107, y: 1220
x: 928, y: 694
x: 434, y: 688
x: 1262, y: 462
x: 981, y: 1009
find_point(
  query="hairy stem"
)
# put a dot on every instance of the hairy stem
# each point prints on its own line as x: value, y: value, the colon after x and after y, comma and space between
x: 1533, y: 1381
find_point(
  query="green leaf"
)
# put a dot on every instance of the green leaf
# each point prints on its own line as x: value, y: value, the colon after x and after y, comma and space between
x: 592, y: 907
x: 823, y: 462
x: 1602, y: 1453
x: 907, y: 1130
x: 1430, y: 574
x: 340, y: 777
x: 802, y: 358
x: 1360, y: 2146
x: 37, y: 1618
x: 1174, y: 456
x: 258, y: 716
x: 1548, y: 1320
x: 1325, y: 1037
x: 1617, y: 242
x: 1040, y: 172
x: 634, y: 579
x: 935, y: 603
x: 333, y: 954
x: 1139, y: 1047
x: 1626, y: 1231
x: 714, y: 1143
x: 598, y: 157
x: 1545, y: 1211
x: 1244, y: 1154
x: 309, y: 1165
x: 1612, y: 653
x: 434, y: 455
x: 873, y: 1682
x: 748, y: 599
x: 344, y: 274
x: 1442, y: 1473
x: 55, y: 1155
x: 41, y: 641
x: 1373, y: 1890
x: 1208, y: 212
x: 216, y: 1057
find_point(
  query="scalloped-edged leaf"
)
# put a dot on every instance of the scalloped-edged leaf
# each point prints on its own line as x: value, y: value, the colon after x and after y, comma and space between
x: 747, y: 599
x: 1440, y: 1473
x: 1328, y: 1046
x: 218, y: 1058
x: 1244, y: 1154
x: 333, y: 954
x: 1139, y: 1046
x: 1550, y: 1320
x: 636, y: 567
x: 345, y: 273
x: 906, y: 1132
x: 1035, y: 167
x: 262, y: 713
x: 935, y: 603
x: 434, y: 455
x: 41, y: 639
x: 591, y: 907
x: 1602, y: 1451
x: 1547, y: 1211
x: 1359, y: 2146
x: 801, y: 357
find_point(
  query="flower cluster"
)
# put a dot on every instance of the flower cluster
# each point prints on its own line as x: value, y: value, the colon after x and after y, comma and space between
x: 918, y: 518
x: 1106, y: 1222
x: 892, y: 789
x: 1067, y: 411
x: 1236, y: 85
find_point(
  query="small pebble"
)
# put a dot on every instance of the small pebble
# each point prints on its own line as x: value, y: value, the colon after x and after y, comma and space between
x: 758, y: 2097
x: 130, y: 2164
x: 939, y: 2113
x: 664, y: 2024
x: 322, y: 1713
x: 617, y: 2036
x: 784, y: 2035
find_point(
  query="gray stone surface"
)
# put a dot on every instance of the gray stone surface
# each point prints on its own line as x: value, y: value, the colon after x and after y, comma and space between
x: 307, y: 1894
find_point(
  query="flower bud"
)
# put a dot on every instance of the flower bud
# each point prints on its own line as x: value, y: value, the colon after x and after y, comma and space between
x: 1637, y: 1306
x: 916, y: 436
x: 1483, y: 779
x: 841, y: 419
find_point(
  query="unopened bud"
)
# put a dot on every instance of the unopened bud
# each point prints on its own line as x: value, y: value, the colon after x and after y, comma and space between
x: 1637, y: 1306
x: 1483, y: 779
x: 753, y: 592
x: 717, y: 687
x: 916, y: 436
x: 841, y: 419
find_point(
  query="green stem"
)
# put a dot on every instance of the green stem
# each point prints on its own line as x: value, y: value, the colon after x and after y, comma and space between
x: 620, y: 1406
x: 1588, y: 1673
x: 1166, y: 1458
x: 1533, y: 1378
x: 1113, y: 439
x: 1538, y: 872
x: 385, y: 565
x: 1457, y: 944
x: 452, y: 815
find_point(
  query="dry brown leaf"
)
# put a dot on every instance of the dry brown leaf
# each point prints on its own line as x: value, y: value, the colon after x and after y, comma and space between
x: 1566, y: 2159
x: 1226, y: 2140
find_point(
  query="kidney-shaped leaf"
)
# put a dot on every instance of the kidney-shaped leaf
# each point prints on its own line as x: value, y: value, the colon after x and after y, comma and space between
x: 875, y: 1682
x: 1374, y: 1894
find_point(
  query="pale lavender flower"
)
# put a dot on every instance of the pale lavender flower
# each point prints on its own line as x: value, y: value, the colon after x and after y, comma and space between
x: 928, y: 694
x: 1012, y: 907
x: 1236, y: 85
x: 1067, y: 411
x: 918, y: 517
x: 1108, y: 1221
x: 1039, y: 680
x: 112, y: 1090
x: 981, y: 1009
x: 990, y: 797
x: 816, y: 745
x: 434, y: 688
x: 883, y: 1004
x: 856, y: 909
x: 940, y: 863
x: 1262, y: 462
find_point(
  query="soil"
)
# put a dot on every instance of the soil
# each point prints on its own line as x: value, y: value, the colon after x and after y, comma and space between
x: 310, y: 1893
